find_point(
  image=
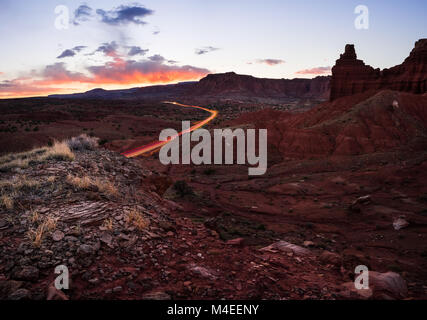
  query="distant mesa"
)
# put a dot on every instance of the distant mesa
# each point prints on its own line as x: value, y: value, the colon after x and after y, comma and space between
x: 221, y: 85
x: 352, y: 76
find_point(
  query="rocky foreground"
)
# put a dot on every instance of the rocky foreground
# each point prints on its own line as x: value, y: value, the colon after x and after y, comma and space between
x: 96, y: 213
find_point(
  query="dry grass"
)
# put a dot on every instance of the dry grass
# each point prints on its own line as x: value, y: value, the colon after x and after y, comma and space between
x: 36, y: 235
x: 83, y: 183
x: 59, y: 151
x: 137, y: 220
x: 7, y: 202
x: 51, y: 179
x: 34, y: 217
x: 23, y: 183
x: 106, y: 187
x: 108, y: 224
x: 86, y: 183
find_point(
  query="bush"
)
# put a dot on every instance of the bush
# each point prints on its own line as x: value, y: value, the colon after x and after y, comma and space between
x: 83, y: 142
x: 183, y: 189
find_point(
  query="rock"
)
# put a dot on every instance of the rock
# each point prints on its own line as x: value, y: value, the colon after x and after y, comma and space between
x: 117, y: 289
x: 86, y: 250
x: 107, y: 239
x: 388, y: 285
x: 351, y: 76
x: 3, y: 224
x: 55, y: 294
x: 400, y: 223
x: 359, y: 202
x: 167, y: 226
x: 203, y: 272
x: 382, y: 286
x: 308, y: 244
x: 58, y: 235
x: 349, y: 291
x: 287, y: 248
x: 26, y: 273
x: 20, y: 294
x: 158, y: 295
x: 332, y: 258
x: 236, y: 242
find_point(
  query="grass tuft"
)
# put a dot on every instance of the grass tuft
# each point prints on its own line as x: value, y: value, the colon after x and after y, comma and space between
x: 137, y: 220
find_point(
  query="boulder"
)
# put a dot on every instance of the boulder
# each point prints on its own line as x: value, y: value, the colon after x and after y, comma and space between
x: 286, y: 247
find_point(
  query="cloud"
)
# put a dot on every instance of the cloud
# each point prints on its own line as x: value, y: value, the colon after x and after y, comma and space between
x: 144, y: 72
x: 58, y: 74
x: 79, y: 48
x: 315, y: 71
x: 125, y: 15
x: 70, y: 52
x: 116, y: 72
x: 82, y: 14
x: 157, y: 58
x: 108, y: 48
x: 204, y: 50
x: 22, y: 88
x: 66, y: 53
x: 135, y: 50
x: 271, y: 62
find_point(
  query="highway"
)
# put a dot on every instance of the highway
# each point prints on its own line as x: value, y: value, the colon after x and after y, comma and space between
x: 156, y: 145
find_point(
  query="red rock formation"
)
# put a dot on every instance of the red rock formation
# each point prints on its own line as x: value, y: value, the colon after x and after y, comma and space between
x: 351, y: 76
x: 348, y: 126
x: 232, y: 84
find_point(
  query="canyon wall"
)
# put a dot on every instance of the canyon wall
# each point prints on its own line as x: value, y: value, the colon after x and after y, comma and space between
x: 351, y: 75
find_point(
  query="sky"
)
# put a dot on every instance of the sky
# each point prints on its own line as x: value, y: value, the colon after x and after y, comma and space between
x: 66, y: 46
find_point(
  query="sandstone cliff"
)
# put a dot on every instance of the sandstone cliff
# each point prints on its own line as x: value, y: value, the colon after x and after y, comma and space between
x: 351, y: 76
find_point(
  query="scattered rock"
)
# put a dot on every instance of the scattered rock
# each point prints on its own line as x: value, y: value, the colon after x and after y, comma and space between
x: 287, y: 247
x: 20, y: 294
x: 203, y: 272
x: 3, y: 224
x: 400, y: 223
x: 388, y: 285
x: 382, y: 286
x: 332, y: 258
x: 308, y: 244
x: 117, y: 289
x: 359, y: 202
x: 236, y: 242
x: 58, y: 235
x: 107, y: 239
x: 55, y: 294
x: 86, y: 250
x: 158, y: 295
x: 26, y: 273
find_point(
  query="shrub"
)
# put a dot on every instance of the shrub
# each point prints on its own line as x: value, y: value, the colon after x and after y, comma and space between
x: 182, y: 188
x: 83, y: 142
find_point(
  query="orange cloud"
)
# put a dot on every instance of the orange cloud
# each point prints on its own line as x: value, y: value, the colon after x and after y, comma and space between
x: 315, y: 71
x: 57, y: 79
